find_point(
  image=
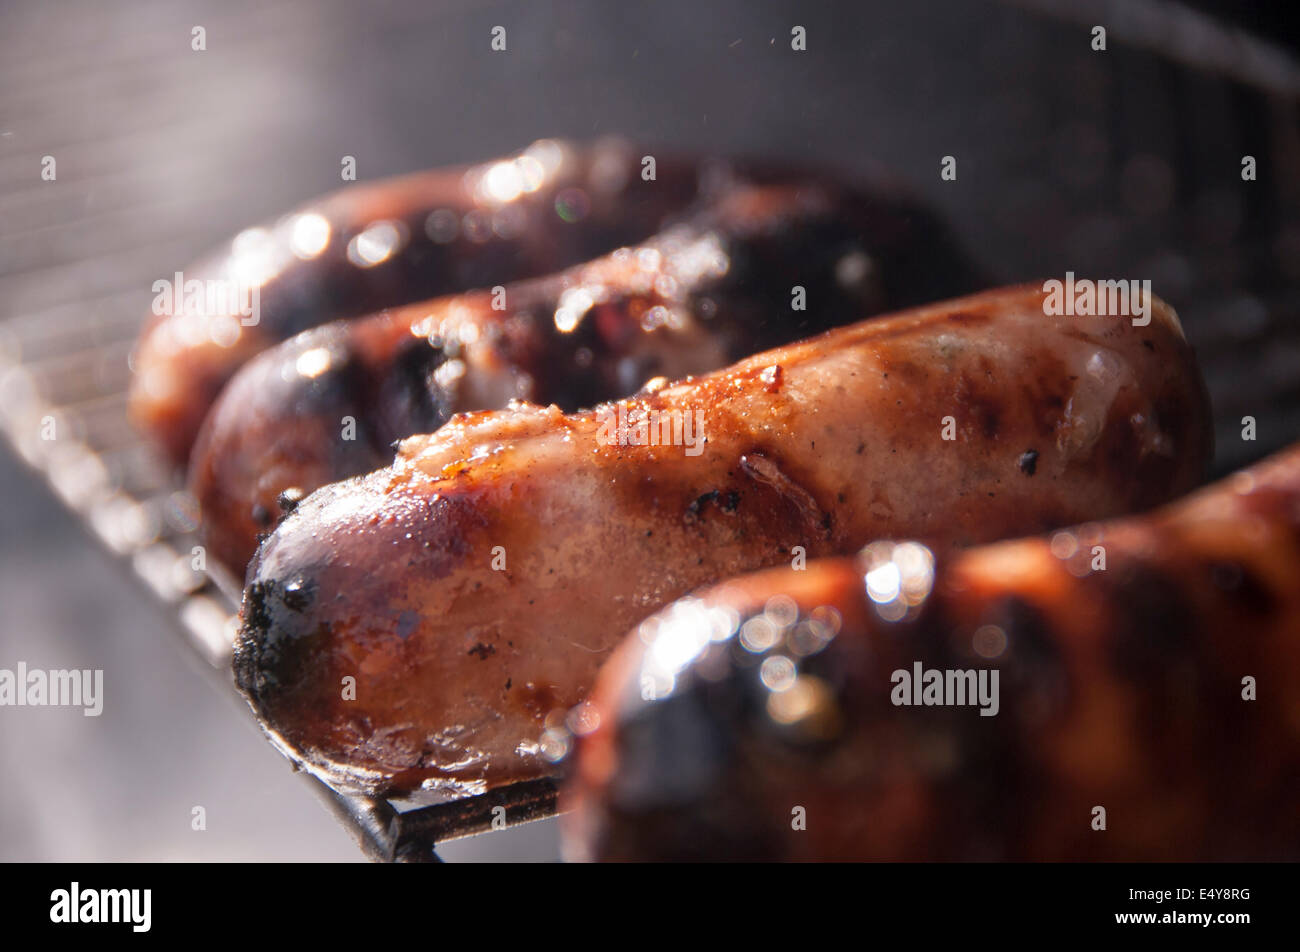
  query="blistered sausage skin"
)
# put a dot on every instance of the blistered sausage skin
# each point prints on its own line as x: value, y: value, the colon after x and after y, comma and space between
x: 474, y: 587
x: 375, y: 245
x: 1120, y: 687
x: 331, y: 402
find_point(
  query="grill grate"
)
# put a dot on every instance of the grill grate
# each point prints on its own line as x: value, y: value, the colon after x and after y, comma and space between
x: 154, y: 166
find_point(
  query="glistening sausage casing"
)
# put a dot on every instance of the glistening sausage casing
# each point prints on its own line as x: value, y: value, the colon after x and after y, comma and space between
x: 1148, y: 668
x: 331, y: 402
x: 473, y: 588
x: 376, y: 245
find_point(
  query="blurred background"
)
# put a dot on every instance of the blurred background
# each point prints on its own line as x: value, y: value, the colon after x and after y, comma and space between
x: 1121, y: 163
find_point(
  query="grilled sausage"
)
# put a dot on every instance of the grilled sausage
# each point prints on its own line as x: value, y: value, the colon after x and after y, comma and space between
x: 472, y: 589
x: 371, y: 246
x: 331, y: 402
x: 1121, y: 649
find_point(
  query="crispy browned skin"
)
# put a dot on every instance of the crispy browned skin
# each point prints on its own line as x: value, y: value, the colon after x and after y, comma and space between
x: 457, y: 229
x: 331, y: 402
x: 825, y: 444
x: 1120, y: 688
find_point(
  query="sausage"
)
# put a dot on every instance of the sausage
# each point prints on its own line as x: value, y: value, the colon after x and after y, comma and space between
x: 370, y: 246
x: 472, y: 589
x: 329, y: 403
x: 776, y: 700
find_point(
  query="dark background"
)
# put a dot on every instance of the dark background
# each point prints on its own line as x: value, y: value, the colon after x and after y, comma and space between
x: 1123, y: 163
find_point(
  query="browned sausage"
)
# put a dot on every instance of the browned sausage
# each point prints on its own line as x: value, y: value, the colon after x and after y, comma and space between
x: 1122, y: 652
x: 473, y: 588
x: 370, y: 246
x: 331, y: 402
